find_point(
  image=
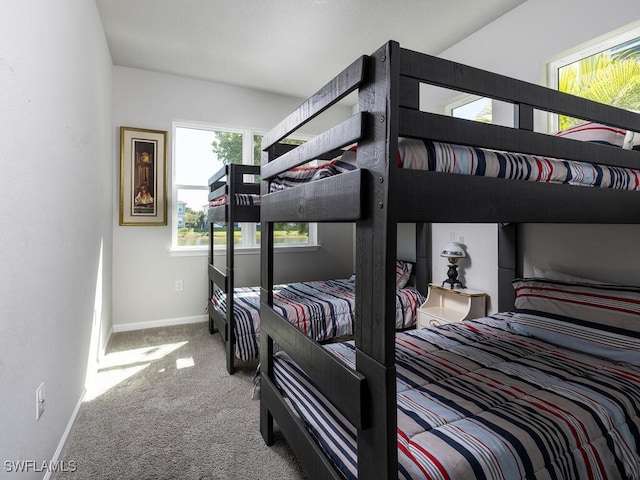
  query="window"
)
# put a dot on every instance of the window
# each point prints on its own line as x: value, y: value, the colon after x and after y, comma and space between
x: 606, y: 71
x: 284, y: 233
x: 199, y: 152
x: 472, y: 108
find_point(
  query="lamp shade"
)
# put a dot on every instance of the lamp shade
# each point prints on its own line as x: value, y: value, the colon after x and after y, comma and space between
x: 453, y: 250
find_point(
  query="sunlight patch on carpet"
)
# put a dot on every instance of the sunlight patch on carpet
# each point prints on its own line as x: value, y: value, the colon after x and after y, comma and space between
x: 185, y: 362
x: 114, y: 368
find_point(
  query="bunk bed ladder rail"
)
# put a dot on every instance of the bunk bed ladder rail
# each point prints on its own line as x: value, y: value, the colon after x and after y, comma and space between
x: 221, y: 183
x: 217, y: 278
x: 344, y: 385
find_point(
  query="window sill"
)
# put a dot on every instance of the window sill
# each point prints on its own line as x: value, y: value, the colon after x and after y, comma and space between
x: 188, y: 252
x: 204, y: 251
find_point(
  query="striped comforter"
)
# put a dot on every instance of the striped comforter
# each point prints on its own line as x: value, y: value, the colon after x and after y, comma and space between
x: 241, y: 199
x: 478, y: 401
x: 450, y: 158
x: 321, y: 309
x: 442, y: 157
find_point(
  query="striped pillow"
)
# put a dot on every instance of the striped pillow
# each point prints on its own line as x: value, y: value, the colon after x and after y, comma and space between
x: 595, y: 133
x: 601, y: 320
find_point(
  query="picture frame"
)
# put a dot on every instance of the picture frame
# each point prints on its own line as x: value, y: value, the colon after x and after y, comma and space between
x: 143, y: 177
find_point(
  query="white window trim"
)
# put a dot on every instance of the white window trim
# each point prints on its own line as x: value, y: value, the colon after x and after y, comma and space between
x: 249, y: 229
x: 203, y: 252
x: 459, y: 101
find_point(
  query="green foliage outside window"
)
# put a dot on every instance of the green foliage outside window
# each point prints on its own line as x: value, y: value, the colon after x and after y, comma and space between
x: 606, y: 77
x: 228, y: 146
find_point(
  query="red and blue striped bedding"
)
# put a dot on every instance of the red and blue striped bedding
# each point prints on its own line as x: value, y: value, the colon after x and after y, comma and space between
x: 240, y: 199
x: 442, y: 157
x: 451, y: 158
x: 323, y: 310
x: 300, y: 175
x: 476, y: 400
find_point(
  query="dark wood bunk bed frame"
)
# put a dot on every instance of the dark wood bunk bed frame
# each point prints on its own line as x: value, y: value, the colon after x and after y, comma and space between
x: 229, y: 181
x: 379, y: 195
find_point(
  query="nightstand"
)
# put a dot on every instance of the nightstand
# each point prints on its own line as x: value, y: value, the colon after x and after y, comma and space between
x: 444, y: 305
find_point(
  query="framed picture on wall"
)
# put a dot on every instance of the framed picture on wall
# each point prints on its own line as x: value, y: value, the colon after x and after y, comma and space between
x: 143, y: 177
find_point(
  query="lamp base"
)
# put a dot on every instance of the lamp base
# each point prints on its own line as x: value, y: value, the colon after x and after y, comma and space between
x: 452, y: 275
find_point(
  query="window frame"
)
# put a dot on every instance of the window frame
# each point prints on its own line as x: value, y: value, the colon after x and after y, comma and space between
x: 248, y: 242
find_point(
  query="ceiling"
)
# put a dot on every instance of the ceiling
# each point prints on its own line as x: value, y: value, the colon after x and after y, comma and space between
x: 291, y: 47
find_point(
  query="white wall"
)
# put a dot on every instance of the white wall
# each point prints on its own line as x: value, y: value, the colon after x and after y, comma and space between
x: 55, y: 195
x: 519, y: 44
x: 478, y: 270
x: 144, y: 271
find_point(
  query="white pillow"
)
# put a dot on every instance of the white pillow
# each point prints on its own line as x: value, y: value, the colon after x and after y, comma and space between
x: 631, y: 140
x: 540, y: 272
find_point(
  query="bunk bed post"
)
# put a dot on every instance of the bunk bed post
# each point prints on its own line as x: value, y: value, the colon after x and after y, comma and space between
x: 507, y: 265
x: 423, y: 257
x: 266, y: 296
x: 376, y: 237
x: 230, y: 334
x: 212, y: 323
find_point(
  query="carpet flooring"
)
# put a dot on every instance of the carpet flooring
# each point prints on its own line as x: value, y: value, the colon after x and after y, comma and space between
x: 164, y: 407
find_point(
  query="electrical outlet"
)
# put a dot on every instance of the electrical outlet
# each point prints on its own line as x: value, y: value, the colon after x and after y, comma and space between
x: 39, y: 401
x: 179, y: 285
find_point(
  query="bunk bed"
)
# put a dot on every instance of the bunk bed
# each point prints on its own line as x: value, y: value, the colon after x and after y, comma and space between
x: 364, y: 398
x: 323, y: 310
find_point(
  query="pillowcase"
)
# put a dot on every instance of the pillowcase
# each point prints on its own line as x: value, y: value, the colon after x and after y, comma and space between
x: 561, y: 276
x: 631, y: 141
x: 403, y: 272
x: 595, y: 133
x: 598, y: 319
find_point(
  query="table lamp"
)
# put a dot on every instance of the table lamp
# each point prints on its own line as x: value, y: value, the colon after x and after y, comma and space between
x: 453, y: 251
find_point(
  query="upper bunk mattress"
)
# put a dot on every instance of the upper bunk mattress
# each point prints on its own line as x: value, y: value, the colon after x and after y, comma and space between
x: 244, y: 199
x: 450, y: 158
x: 460, y: 159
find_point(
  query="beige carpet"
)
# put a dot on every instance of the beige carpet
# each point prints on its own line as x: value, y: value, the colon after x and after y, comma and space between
x: 164, y: 407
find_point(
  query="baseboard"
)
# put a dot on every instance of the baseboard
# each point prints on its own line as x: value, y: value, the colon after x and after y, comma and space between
x: 67, y: 430
x: 168, y: 322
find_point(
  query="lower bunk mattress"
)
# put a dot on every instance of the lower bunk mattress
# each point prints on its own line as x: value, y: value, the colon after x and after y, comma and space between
x: 476, y: 400
x: 323, y: 310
